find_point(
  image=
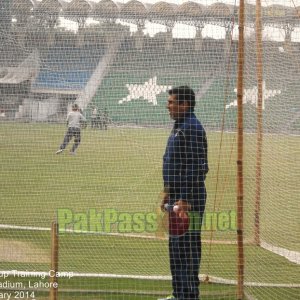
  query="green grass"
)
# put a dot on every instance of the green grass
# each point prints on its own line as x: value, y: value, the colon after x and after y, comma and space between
x: 121, y: 169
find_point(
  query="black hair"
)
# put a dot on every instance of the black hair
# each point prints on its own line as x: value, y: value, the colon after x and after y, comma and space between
x: 184, y: 93
x: 75, y: 106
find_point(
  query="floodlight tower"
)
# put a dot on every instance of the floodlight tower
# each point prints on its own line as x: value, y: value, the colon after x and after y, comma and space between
x: 192, y: 13
x: 281, y: 17
x: 135, y: 12
x: 22, y: 10
x: 5, y: 16
x: 164, y: 13
x: 223, y: 15
x: 106, y: 11
x: 47, y: 13
x: 78, y: 11
x: 251, y: 15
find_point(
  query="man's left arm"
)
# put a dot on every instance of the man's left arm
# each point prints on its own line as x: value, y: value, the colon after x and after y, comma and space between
x: 82, y: 118
x: 67, y: 119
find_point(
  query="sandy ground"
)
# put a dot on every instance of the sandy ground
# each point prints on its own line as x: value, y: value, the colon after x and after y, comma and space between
x: 17, y: 251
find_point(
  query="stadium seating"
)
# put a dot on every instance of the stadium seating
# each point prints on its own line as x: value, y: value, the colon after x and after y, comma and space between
x: 67, y: 68
x: 212, y: 74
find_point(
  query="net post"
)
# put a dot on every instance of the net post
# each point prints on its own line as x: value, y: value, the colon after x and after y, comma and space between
x: 54, y: 261
x: 240, y: 150
x: 259, y: 138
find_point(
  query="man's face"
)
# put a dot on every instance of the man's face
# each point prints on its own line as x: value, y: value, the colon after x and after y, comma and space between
x: 175, y: 109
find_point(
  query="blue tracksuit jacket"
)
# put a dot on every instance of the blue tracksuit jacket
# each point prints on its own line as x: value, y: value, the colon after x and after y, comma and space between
x: 185, y: 162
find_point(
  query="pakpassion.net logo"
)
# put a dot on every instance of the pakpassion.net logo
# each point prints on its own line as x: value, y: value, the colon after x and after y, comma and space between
x: 111, y: 220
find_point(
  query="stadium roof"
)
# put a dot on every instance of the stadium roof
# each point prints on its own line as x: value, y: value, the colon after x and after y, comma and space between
x: 219, y: 10
x: 190, y: 9
x: 48, y: 6
x: 134, y: 10
x: 278, y: 14
x: 279, y: 11
x: 162, y: 12
x: 274, y: 15
x: 191, y: 13
x: 106, y: 9
x: 63, y: 3
x: 78, y: 9
x: 22, y: 6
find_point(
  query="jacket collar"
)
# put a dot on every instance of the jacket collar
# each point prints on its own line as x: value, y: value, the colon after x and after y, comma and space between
x: 187, y: 115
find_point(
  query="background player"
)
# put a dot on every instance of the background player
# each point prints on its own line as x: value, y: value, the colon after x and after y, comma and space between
x: 74, y: 120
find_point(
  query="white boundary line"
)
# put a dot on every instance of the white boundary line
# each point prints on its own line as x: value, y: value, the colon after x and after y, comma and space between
x: 6, y: 226
x: 292, y: 256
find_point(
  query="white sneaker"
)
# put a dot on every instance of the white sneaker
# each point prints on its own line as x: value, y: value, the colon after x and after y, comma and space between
x: 72, y: 153
x: 59, y: 151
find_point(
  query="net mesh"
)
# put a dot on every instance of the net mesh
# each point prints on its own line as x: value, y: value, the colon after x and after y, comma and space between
x: 117, y: 60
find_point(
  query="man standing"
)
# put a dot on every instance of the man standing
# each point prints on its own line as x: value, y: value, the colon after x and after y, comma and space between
x: 185, y: 167
x: 94, y: 117
x: 74, y: 119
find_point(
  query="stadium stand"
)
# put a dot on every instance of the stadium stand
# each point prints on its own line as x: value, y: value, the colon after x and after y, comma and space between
x: 67, y: 68
x: 18, y: 67
x: 211, y: 72
x: 203, y: 70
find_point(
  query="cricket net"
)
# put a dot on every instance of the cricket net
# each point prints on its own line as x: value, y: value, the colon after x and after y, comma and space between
x: 117, y: 61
